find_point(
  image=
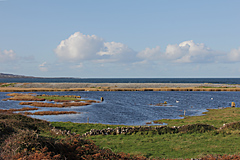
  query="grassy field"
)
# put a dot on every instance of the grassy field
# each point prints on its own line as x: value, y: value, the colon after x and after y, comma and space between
x: 151, y: 145
x: 215, y: 117
x: 177, y: 145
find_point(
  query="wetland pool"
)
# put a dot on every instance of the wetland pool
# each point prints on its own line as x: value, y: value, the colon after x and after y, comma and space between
x: 133, y: 108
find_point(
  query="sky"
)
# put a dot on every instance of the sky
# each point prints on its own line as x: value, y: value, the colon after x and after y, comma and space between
x: 120, y: 38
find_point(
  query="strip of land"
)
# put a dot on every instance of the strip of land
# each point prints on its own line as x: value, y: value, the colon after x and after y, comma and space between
x: 34, y: 87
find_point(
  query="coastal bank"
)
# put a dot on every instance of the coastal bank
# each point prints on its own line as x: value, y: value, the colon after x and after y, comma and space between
x: 35, y: 87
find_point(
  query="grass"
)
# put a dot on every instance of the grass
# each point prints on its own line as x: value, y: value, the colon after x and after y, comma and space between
x: 150, y: 144
x: 175, y: 145
x: 145, y: 143
x: 58, y: 98
x: 23, y: 137
x: 194, y: 145
x: 81, y: 128
x: 7, y: 84
x: 215, y: 117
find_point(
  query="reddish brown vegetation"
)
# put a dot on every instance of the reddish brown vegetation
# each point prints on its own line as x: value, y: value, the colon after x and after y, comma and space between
x: 148, y: 122
x: 221, y: 157
x: 23, y: 97
x: 51, y: 112
x: 157, y: 122
x: 32, y: 97
x: 92, y: 101
x: 59, y: 105
x: 26, y: 144
x: 21, y: 109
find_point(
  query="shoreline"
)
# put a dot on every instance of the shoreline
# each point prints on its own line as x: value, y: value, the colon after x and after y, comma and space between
x: 51, y: 87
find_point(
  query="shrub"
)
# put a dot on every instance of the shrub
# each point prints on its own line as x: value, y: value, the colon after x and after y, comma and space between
x: 193, y: 128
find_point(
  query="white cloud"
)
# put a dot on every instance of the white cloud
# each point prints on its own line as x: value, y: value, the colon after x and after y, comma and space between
x: 7, y: 56
x: 234, y: 55
x: 113, y: 52
x: 79, y: 47
x: 185, y: 52
x: 188, y: 51
x: 151, y: 54
x: 89, y: 49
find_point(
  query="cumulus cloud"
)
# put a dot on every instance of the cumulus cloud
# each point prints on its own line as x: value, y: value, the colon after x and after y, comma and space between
x: 114, y: 51
x: 185, y: 52
x: 234, y: 55
x: 151, y: 54
x: 188, y: 51
x: 79, y: 47
x: 7, y: 56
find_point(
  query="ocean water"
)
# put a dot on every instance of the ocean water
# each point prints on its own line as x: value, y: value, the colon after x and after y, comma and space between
x: 133, y: 108
x: 123, y: 80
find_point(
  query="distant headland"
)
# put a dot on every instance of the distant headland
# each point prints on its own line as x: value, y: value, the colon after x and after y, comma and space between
x: 6, y: 75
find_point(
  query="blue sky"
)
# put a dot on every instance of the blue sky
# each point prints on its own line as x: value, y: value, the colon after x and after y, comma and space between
x: 136, y: 38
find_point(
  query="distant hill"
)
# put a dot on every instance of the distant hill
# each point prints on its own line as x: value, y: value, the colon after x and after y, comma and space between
x: 5, y: 75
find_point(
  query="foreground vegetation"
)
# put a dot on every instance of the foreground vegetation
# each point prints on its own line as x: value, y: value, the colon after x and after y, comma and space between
x: 215, y: 117
x: 23, y: 137
x: 188, y: 144
x: 194, y: 145
x: 214, y: 135
x: 28, y: 138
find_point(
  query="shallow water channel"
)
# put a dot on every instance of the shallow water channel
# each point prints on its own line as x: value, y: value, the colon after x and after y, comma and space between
x: 133, y: 108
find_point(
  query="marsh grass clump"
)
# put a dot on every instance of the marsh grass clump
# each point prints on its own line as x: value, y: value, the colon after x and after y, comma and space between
x: 23, y: 97
x: 51, y: 112
x: 14, y: 110
x: 58, y: 105
x: 60, y: 102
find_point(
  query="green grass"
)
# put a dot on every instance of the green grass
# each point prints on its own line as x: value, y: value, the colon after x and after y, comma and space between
x: 149, y: 143
x: 178, y: 145
x: 215, y: 117
x: 7, y: 85
x: 172, y: 145
x: 81, y: 128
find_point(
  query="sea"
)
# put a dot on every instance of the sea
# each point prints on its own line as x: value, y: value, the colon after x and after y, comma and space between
x: 122, y: 80
x: 134, y: 108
